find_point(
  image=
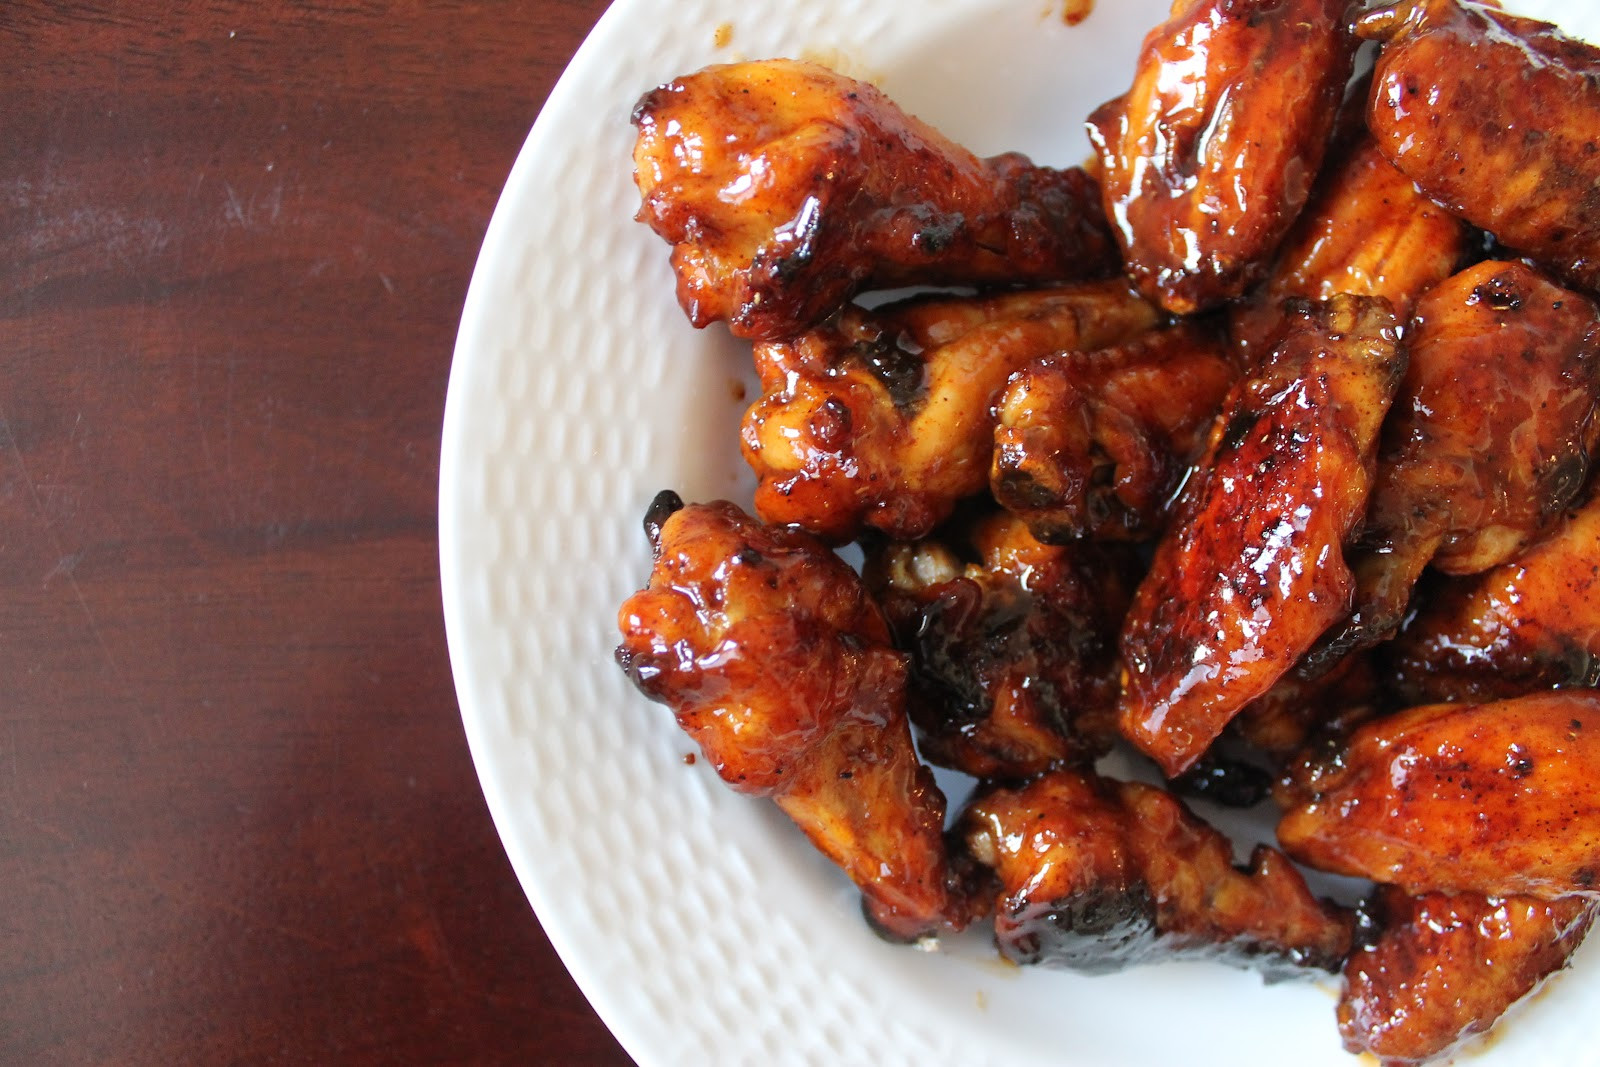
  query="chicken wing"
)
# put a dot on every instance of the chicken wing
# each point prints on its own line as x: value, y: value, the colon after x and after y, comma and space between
x: 1208, y: 158
x: 1443, y: 969
x: 1014, y: 659
x: 1532, y: 623
x: 1251, y: 571
x: 1366, y: 231
x: 1489, y: 440
x: 1097, y: 875
x: 774, y: 659
x: 1092, y: 444
x: 785, y: 188
x: 1496, y: 799
x: 883, y: 418
x: 1497, y: 118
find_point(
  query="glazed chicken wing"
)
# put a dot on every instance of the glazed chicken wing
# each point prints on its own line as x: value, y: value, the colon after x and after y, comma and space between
x: 1497, y: 118
x: 1532, y: 623
x: 1014, y: 660
x: 1443, y: 969
x: 1489, y: 440
x: 1251, y: 571
x: 1496, y: 799
x: 883, y: 417
x: 1097, y: 875
x: 1366, y: 231
x: 774, y: 659
x: 785, y: 188
x: 1209, y: 157
x: 1092, y: 444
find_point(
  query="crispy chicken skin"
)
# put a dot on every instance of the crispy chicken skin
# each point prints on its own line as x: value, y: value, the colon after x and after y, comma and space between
x: 1098, y: 875
x: 1488, y: 442
x: 1366, y: 231
x: 1092, y: 444
x: 785, y: 188
x: 774, y: 659
x: 1251, y: 570
x: 1496, y: 799
x: 1444, y: 968
x: 1497, y: 118
x: 883, y: 418
x: 1208, y: 158
x: 1532, y: 623
x: 1014, y: 654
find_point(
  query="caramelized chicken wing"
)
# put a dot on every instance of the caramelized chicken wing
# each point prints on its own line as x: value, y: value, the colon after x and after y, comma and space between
x: 883, y: 418
x: 1296, y: 710
x: 1489, y: 440
x: 774, y: 659
x: 1497, y: 118
x: 1251, y: 571
x: 1097, y: 875
x: 1532, y: 623
x: 1443, y: 969
x: 1211, y: 154
x: 785, y: 189
x: 1014, y: 660
x: 1496, y: 799
x: 1366, y: 231
x: 1092, y: 444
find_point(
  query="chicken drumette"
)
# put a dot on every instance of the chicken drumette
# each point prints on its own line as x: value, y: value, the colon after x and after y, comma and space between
x: 1097, y: 875
x: 883, y: 418
x: 1209, y: 157
x: 774, y: 659
x: 1251, y: 570
x: 1092, y: 444
x: 785, y: 188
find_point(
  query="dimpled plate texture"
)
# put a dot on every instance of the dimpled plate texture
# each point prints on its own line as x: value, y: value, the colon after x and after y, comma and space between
x: 700, y: 924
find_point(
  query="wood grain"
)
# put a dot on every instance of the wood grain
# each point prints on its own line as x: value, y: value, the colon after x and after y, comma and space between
x: 238, y: 821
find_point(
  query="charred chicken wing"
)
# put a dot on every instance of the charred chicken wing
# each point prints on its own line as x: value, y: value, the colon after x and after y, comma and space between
x: 1092, y: 444
x: 1211, y: 154
x: 1497, y: 118
x: 785, y: 189
x: 1251, y: 571
x: 1444, y: 968
x: 1097, y: 875
x: 1496, y: 799
x: 774, y: 659
x: 883, y: 418
x: 1489, y: 440
x: 1014, y: 660
x: 1532, y: 623
x: 1366, y: 231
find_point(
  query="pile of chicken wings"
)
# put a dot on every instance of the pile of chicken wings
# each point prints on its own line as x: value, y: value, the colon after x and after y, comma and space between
x: 1259, y: 446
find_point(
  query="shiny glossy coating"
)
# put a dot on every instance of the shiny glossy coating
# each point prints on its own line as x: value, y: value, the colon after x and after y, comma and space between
x: 786, y: 188
x: 1208, y: 158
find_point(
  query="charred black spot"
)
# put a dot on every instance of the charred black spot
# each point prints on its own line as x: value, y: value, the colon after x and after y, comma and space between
x: 897, y: 365
x: 664, y: 506
x: 1499, y: 293
x: 1233, y: 783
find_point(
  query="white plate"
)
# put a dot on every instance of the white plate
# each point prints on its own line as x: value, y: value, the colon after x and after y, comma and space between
x: 699, y: 923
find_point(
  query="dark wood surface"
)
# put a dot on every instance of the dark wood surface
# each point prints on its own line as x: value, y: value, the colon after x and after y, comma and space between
x: 238, y: 820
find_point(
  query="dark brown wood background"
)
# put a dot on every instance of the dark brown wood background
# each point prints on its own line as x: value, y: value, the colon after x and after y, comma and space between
x: 238, y: 821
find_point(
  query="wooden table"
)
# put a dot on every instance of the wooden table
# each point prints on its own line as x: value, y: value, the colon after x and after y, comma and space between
x: 238, y: 821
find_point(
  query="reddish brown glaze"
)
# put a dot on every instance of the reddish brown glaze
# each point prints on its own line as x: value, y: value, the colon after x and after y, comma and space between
x: 1443, y: 969
x: 1497, y: 118
x: 1366, y: 231
x: 1495, y: 799
x: 774, y: 659
x: 1251, y: 570
x: 1098, y: 875
x: 1014, y: 660
x: 1489, y: 440
x: 1296, y: 709
x: 1208, y: 158
x: 785, y: 188
x: 1092, y: 444
x: 883, y: 418
x: 1531, y: 623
